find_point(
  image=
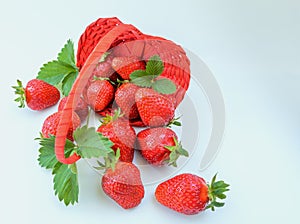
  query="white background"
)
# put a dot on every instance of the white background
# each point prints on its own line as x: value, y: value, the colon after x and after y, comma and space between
x: 252, y: 48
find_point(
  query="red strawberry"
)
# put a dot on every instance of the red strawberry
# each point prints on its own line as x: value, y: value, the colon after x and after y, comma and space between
x: 124, y: 185
x: 121, y: 134
x: 37, y: 94
x: 103, y: 69
x: 51, y: 123
x: 124, y: 66
x: 99, y: 94
x: 125, y: 98
x: 189, y: 194
x: 81, y: 108
x: 155, y: 109
x: 160, y: 146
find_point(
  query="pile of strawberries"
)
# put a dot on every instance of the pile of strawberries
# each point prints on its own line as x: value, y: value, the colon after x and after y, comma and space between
x: 137, y: 82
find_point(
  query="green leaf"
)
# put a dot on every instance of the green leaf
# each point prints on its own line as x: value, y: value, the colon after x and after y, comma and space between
x: 68, y: 82
x: 66, y: 183
x: 54, y: 72
x: 155, y: 66
x: 92, y: 144
x: 137, y: 74
x: 145, y: 81
x: 47, y: 157
x: 164, y: 86
x: 66, y: 54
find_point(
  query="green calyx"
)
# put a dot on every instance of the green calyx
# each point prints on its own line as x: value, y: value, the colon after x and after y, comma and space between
x: 110, y: 161
x: 104, y: 56
x: 216, y: 190
x: 150, y: 77
x: 176, y: 151
x: 20, y: 92
x: 174, y: 121
x: 110, y: 118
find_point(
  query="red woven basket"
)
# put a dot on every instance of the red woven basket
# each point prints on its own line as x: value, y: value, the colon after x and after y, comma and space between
x: 123, y: 40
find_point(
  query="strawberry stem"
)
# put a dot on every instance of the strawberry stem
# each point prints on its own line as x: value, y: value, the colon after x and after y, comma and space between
x: 20, y: 92
x: 216, y: 190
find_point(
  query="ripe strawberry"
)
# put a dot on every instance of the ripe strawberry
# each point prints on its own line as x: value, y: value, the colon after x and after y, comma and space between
x: 81, y: 108
x: 51, y: 123
x: 124, y: 66
x: 125, y: 98
x: 160, y: 146
x: 37, y: 94
x: 124, y: 185
x: 119, y: 131
x: 99, y: 94
x: 155, y: 109
x: 189, y: 194
x: 103, y: 69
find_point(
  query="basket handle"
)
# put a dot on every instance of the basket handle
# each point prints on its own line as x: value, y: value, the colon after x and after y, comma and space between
x: 77, y: 89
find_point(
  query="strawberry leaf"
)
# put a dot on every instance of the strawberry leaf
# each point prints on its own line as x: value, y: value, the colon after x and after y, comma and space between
x: 138, y: 74
x: 164, y: 86
x: 67, y: 82
x: 154, y: 66
x: 66, y: 54
x: 47, y: 157
x: 92, y: 144
x: 65, y: 176
x: 66, y: 182
x: 54, y: 71
x: 145, y: 81
x: 61, y: 72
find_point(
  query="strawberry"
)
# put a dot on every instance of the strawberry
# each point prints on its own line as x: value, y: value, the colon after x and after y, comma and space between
x: 118, y: 130
x: 124, y: 66
x: 81, y: 109
x: 99, y: 94
x: 37, y: 94
x: 103, y: 69
x: 124, y: 185
x: 51, y: 123
x: 160, y: 146
x: 155, y: 109
x: 125, y: 98
x: 189, y: 194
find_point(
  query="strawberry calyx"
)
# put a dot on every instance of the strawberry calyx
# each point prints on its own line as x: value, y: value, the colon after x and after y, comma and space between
x: 150, y: 77
x: 110, y: 118
x: 110, y: 161
x: 176, y: 151
x: 20, y: 92
x: 175, y: 121
x: 216, y: 190
x: 104, y: 56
